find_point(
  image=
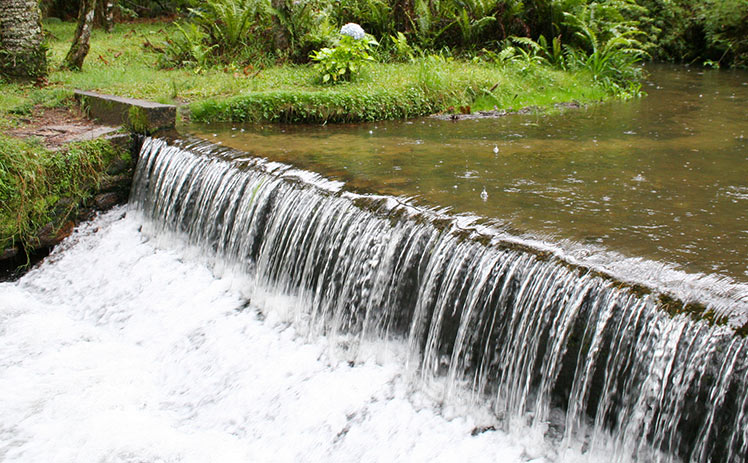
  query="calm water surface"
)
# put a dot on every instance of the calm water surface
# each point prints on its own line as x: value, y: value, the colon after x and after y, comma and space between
x: 664, y: 177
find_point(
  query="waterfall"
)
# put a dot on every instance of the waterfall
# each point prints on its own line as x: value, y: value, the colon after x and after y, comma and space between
x: 520, y: 328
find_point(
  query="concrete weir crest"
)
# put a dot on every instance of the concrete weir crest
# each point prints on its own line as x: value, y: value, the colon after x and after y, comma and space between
x: 139, y: 116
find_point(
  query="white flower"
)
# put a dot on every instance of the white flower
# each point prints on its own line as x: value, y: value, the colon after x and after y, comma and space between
x: 353, y: 30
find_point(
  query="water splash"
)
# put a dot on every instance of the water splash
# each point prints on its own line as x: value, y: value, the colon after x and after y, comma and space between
x: 117, y: 350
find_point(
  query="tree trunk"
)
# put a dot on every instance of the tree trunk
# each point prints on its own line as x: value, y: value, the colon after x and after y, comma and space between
x: 105, y: 13
x: 80, y: 46
x: 22, y: 51
x: 404, y: 13
x: 280, y: 35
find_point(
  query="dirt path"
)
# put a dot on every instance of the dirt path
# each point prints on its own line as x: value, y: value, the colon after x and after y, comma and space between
x: 57, y: 126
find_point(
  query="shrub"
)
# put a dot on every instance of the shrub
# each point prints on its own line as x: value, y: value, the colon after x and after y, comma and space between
x: 698, y: 30
x: 187, y: 48
x: 342, y: 62
x: 726, y: 30
x: 218, y: 31
x: 227, y: 22
x: 610, y: 50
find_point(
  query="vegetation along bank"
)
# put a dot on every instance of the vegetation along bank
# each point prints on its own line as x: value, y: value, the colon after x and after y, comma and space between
x: 45, y: 192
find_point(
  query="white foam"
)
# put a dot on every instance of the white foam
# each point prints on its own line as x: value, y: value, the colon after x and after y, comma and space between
x: 114, y: 350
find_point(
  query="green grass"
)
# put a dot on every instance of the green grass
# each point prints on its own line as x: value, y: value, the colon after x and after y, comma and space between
x: 395, y: 91
x: 38, y: 186
x: 123, y: 63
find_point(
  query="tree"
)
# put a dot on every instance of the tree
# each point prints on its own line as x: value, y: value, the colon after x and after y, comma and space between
x: 105, y: 13
x: 280, y: 33
x: 22, y: 50
x: 81, y: 41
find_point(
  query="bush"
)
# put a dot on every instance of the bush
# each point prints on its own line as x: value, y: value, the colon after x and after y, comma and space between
x: 609, y: 48
x: 307, y: 26
x: 714, y: 31
x: 726, y: 30
x: 342, y: 62
x: 187, y: 48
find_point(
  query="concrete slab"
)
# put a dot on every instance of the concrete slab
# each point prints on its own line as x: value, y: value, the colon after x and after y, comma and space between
x: 140, y: 116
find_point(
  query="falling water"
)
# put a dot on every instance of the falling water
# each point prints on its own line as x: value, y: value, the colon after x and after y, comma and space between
x: 601, y: 366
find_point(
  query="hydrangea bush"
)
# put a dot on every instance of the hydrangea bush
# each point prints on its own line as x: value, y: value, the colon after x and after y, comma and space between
x: 353, y: 30
x: 343, y: 62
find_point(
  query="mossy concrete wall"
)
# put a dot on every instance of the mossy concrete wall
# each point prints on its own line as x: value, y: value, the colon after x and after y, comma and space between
x: 140, y: 116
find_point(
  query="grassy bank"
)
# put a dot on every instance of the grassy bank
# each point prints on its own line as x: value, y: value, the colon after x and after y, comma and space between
x: 41, y: 191
x: 398, y: 91
x: 125, y: 63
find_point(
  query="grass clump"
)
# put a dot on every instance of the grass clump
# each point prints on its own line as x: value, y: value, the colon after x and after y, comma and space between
x: 39, y: 187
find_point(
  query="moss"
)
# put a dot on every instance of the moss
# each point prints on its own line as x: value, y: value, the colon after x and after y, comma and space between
x: 40, y: 189
x: 696, y: 311
x: 30, y: 64
x: 316, y: 106
x: 137, y: 120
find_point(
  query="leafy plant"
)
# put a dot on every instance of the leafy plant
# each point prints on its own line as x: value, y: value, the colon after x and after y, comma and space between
x: 227, y: 22
x: 401, y: 49
x: 306, y: 24
x: 187, y: 48
x: 529, y: 51
x: 219, y: 31
x: 553, y: 53
x: 376, y: 16
x: 471, y: 28
x: 429, y: 23
x: 343, y: 61
x: 726, y: 29
x: 611, y: 54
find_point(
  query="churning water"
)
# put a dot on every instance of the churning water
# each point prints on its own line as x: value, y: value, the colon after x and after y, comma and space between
x: 242, y: 310
x: 119, y: 350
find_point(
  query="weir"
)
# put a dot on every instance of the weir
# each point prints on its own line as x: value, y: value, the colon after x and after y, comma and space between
x: 520, y: 328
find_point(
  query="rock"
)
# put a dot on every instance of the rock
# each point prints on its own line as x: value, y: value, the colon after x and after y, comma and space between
x: 51, y: 235
x: 8, y: 253
x: 106, y: 201
x: 115, y: 183
x: 47, y: 236
x: 118, y: 166
x: 124, y: 141
x: 481, y: 429
x: 64, y: 204
x: 65, y: 231
x: 530, y: 110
